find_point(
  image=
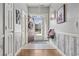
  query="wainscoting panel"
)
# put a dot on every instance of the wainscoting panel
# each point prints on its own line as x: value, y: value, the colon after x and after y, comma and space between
x: 61, y: 42
x: 57, y: 37
x: 17, y: 42
x: 75, y: 46
x: 68, y: 43
x: 71, y: 46
x: 78, y: 46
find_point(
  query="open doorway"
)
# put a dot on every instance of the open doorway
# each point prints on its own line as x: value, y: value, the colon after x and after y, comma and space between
x: 38, y: 27
x: 38, y: 17
x: 35, y: 28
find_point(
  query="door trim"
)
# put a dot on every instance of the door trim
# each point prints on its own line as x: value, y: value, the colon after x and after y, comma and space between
x: 4, y: 29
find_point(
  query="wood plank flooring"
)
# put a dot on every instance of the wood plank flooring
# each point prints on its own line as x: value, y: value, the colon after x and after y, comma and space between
x: 39, y: 52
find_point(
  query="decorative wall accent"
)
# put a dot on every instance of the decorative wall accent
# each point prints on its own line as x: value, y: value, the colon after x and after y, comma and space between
x: 68, y: 44
x: 61, y: 15
x: 18, y: 16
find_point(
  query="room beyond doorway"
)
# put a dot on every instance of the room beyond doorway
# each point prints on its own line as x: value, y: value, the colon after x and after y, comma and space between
x: 38, y: 23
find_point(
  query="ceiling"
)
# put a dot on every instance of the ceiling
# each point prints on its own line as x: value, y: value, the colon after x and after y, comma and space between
x: 38, y: 4
x: 54, y: 6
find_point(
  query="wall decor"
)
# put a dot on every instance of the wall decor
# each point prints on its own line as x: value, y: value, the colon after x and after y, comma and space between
x: 61, y: 14
x: 18, y: 16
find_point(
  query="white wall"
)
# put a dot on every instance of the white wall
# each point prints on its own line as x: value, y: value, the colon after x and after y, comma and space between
x: 72, y: 16
x: 23, y: 7
x: 68, y: 34
x: 21, y: 34
x: 42, y: 12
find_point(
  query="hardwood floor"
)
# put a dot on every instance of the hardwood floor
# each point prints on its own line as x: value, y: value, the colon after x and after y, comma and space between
x: 39, y: 52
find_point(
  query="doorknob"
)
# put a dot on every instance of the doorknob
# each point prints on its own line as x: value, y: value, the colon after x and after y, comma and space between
x: 5, y: 27
x: 77, y: 24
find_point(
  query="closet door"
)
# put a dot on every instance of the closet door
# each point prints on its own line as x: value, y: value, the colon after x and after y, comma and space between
x: 1, y: 45
x: 9, y: 29
x: 1, y: 29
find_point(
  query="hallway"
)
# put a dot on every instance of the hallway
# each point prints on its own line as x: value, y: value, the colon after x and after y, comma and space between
x: 39, y: 45
x: 40, y: 48
x: 39, y: 52
x: 50, y: 29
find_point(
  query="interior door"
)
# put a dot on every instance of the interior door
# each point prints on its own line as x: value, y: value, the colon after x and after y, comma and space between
x: 9, y: 29
x: 1, y: 29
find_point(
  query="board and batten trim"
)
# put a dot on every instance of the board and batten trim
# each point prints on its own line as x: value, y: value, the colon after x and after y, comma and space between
x: 69, y: 34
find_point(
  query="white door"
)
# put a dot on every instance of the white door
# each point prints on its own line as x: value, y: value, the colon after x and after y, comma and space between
x: 9, y: 29
x: 1, y: 29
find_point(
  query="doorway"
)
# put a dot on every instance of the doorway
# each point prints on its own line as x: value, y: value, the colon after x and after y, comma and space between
x: 39, y: 16
x: 38, y: 27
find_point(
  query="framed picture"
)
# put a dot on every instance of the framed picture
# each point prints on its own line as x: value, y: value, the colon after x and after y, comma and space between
x: 18, y: 16
x: 61, y: 15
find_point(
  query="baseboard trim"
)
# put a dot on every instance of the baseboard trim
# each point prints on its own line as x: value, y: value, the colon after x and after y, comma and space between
x: 60, y: 52
x: 57, y: 48
x: 69, y: 34
x: 17, y: 52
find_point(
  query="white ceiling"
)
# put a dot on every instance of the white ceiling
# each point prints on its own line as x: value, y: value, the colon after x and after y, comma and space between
x: 38, y: 4
x: 54, y: 6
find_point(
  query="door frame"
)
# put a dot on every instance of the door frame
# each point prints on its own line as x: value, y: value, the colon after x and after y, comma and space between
x: 4, y: 29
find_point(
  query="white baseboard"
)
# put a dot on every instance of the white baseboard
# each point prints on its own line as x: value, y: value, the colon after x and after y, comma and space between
x: 18, y: 51
x: 60, y: 52
x: 51, y: 42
